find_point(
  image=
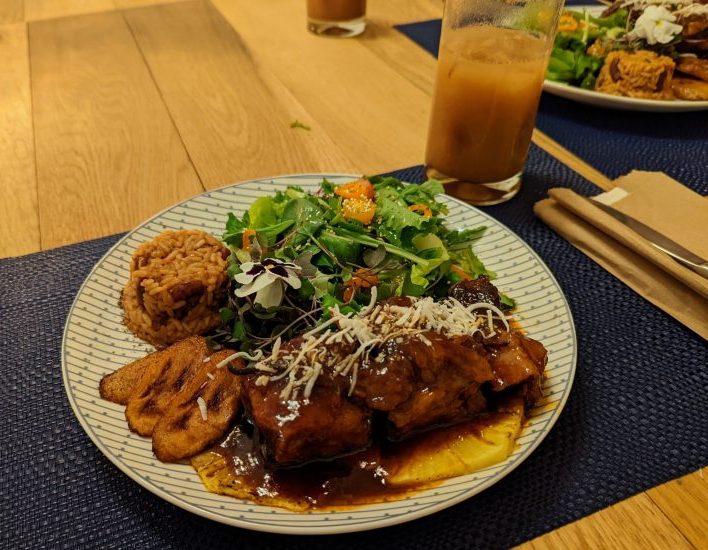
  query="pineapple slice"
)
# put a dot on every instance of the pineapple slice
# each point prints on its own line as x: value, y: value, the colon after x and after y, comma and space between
x: 457, y: 450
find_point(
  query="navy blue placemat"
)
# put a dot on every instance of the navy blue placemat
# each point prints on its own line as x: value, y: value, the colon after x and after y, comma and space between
x: 636, y: 417
x: 615, y: 142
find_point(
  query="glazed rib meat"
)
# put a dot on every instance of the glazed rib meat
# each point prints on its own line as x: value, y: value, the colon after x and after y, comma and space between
x: 304, y: 430
x: 518, y: 363
x: 414, y: 381
x: 424, y: 381
x: 299, y: 430
x: 515, y: 359
x: 474, y: 291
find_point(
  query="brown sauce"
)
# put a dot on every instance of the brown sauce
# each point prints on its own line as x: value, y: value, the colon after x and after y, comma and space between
x: 357, y: 479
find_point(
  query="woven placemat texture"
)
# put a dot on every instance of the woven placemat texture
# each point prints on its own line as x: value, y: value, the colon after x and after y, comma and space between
x: 615, y: 142
x: 636, y: 417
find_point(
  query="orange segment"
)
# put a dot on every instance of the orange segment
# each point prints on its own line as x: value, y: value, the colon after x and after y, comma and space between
x: 360, y: 209
x: 422, y: 208
x: 356, y: 189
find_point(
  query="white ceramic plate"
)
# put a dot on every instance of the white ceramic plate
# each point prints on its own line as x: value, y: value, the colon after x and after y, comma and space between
x: 96, y: 343
x: 598, y: 99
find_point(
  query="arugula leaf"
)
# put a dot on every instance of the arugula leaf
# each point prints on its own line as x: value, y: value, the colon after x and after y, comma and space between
x: 507, y: 302
x: 617, y: 19
x: 306, y: 290
x: 271, y: 232
x: 262, y: 213
x: 239, y: 330
x: 329, y: 301
x: 234, y: 229
x: 393, y: 214
x: 383, y: 182
x: 413, y: 284
x: 234, y: 266
x: 324, y: 261
x: 470, y: 263
x: 301, y: 125
x: 573, y: 65
x: 344, y: 249
x: 226, y: 314
x: 307, y: 216
x: 425, y: 194
x: 322, y: 285
x: 461, y: 238
x: 366, y: 240
x: 327, y: 187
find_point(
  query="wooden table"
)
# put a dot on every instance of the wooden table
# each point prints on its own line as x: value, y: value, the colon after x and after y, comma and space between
x: 115, y: 109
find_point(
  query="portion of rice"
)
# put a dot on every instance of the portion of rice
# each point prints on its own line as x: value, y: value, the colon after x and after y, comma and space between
x: 177, y: 281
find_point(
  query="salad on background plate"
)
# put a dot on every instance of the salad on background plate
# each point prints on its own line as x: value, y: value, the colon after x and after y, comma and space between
x: 639, y: 52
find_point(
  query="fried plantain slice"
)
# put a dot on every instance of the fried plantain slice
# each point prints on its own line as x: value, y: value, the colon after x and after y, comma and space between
x: 182, y: 432
x: 162, y: 381
x: 118, y: 385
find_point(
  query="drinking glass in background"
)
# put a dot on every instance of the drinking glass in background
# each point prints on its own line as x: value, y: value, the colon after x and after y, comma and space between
x: 342, y: 18
x: 491, y: 65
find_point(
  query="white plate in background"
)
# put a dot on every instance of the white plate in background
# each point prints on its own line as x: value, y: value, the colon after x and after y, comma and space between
x: 599, y: 99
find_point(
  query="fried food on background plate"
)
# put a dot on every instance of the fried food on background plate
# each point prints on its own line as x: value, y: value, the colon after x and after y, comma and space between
x: 690, y: 89
x: 693, y: 66
x: 641, y: 74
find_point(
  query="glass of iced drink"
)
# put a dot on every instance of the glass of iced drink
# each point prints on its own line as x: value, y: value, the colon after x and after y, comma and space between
x: 492, y: 60
x: 342, y: 18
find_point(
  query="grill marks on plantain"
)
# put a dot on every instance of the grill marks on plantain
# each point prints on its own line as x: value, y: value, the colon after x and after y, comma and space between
x: 161, y: 394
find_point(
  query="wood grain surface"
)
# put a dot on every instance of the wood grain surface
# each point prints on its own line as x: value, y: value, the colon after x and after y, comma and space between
x: 48, y: 9
x: 12, y: 11
x: 115, y: 109
x: 346, y: 87
x: 617, y: 528
x: 108, y: 155
x: 126, y: 4
x: 685, y: 502
x: 233, y: 114
x: 19, y: 230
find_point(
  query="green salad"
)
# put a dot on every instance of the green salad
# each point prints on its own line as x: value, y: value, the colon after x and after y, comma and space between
x: 295, y: 255
x: 580, y: 46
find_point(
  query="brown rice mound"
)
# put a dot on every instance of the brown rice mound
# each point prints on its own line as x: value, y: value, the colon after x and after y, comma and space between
x: 177, y: 281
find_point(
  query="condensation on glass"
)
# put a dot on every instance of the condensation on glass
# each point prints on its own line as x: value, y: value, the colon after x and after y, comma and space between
x: 491, y: 65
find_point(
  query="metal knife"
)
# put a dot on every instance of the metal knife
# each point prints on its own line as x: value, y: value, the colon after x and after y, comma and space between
x: 666, y: 245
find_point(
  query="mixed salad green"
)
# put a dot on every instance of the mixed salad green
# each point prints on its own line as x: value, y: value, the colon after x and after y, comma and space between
x: 573, y: 60
x: 295, y: 255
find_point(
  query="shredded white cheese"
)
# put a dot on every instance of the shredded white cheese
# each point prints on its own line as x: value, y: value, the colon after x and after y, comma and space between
x: 374, y: 325
x: 257, y: 356
x: 202, y: 408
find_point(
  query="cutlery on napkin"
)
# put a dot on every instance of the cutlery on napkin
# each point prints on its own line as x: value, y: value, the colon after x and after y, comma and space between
x: 658, y: 202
